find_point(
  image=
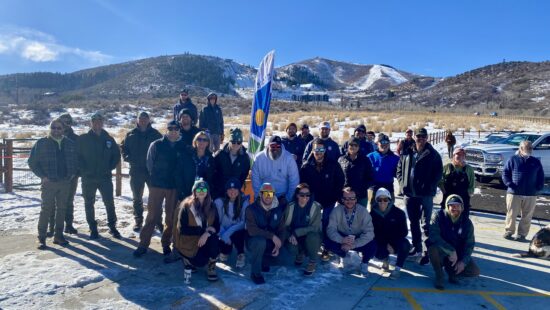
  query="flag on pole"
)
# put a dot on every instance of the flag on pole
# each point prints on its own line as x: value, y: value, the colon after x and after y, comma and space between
x: 260, y: 105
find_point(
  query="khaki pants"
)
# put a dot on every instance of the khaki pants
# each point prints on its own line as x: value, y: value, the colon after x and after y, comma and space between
x: 53, y: 194
x: 154, y: 212
x: 525, y: 206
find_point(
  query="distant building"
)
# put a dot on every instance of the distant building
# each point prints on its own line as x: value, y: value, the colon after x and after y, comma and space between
x: 311, y: 98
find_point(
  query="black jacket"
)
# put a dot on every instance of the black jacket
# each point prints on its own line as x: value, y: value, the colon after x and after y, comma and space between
x: 326, y: 184
x: 295, y: 146
x: 428, y: 169
x: 391, y: 227
x: 358, y: 174
x: 211, y: 119
x: 187, y: 171
x: 135, y: 146
x: 162, y: 159
x: 224, y: 169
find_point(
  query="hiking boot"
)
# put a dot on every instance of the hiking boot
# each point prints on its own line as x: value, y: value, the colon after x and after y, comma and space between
x: 508, y: 236
x: 173, y: 257
x: 364, y: 269
x: 69, y: 229
x: 299, y: 260
x: 137, y: 226
x: 140, y: 251
x: 223, y: 257
x: 424, y: 260
x: 166, y: 250
x: 211, y: 270
x: 94, y: 234
x: 257, y: 279
x: 325, y: 256
x: 386, y: 264
x: 241, y: 261
x: 521, y: 238
x: 310, y: 268
x: 114, y: 232
x: 395, y: 274
x: 60, y: 241
x: 41, y: 244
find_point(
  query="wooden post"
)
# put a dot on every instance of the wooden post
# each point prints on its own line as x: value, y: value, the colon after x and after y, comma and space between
x: 462, y: 134
x: 8, y: 163
x: 118, y: 178
x: 479, y: 133
x: 2, y: 155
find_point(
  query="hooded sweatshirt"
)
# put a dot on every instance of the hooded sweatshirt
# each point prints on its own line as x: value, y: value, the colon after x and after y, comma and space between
x: 282, y: 173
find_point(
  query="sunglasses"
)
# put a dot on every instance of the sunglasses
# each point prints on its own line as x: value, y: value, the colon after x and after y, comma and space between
x: 319, y: 150
x: 202, y: 190
x: 274, y: 146
x: 349, y: 198
x: 236, y: 142
x: 384, y: 142
x: 203, y: 139
x: 173, y: 129
x: 56, y: 128
x: 268, y: 194
x: 382, y: 200
x: 303, y: 195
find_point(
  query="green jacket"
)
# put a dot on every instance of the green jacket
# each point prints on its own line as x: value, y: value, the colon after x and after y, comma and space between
x: 97, y: 155
x: 314, y: 220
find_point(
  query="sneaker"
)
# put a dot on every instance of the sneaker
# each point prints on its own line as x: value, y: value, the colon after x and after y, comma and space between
x: 257, y: 279
x: 94, y: 235
x: 365, y: 269
x: 310, y: 268
x: 211, y: 271
x: 140, y: 251
x: 137, y: 226
x: 60, y: 241
x: 325, y: 256
x: 386, y: 264
x: 508, y: 236
x: 299, y: 260
x: 166, y: 250
x: 69, y: 229
x: 223, y: 257
x: 521, y: 238
x: 241, y: 261
x: 424, y: 260
x: 41, y: 244
x: 114, y: 232
x: 396, y: 273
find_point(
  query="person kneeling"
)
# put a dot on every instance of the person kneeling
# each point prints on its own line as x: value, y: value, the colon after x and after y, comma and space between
x: 303, y: 228
x: 390, y: 231
x: 350, y: 228
x: 265, y: 227
x: 451, y: 243
x: 195, y: 234
x: 231, y: 211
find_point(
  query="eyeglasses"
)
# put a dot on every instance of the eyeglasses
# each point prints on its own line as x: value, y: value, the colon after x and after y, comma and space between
x: 349, y: 198
x: 382, y: 200
x: 56, y: 128
x: 173, y: 129
x: 203, y: 139
x: 274, y: 146
x: 303, y: 195
x: 236, y: 142
x: 268, y: 194
x: 319, y: 150
x: 202, y: 190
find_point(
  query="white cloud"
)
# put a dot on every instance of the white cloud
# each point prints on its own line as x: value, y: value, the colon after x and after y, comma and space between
x: 37, y: 46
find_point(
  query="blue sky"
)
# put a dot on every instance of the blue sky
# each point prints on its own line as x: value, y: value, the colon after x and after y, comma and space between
x: 436, y: 38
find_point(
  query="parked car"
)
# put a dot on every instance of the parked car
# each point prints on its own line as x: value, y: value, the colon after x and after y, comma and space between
x: 488, y: 159
x: 493, y: 114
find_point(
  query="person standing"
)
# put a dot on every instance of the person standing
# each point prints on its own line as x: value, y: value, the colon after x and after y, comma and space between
x: 265, y: 228
x: 406, y: 145
x: 370, y: 139
x: 450, y: 140
x: 293, y: 144
x: 332, y: 148
x: 357, y: 170
x: 185, y: 102
x: 188, y: 130
x: 365, y: 147
x: 98, y: 155
x: 232, y: 161
x: 419, y: 173
x: 451, y: 243
x: 134, y: 149
x: 524, y: 177
x: 54, y: 160
x: 384, y: 165
x: 304, y: 134
x: 390, y: 231
x: 211, y: 120
x: 458, y: 178
x: 162, y: 158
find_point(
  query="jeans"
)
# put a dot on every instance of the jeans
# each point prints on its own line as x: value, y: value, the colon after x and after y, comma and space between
x: 419, y: 210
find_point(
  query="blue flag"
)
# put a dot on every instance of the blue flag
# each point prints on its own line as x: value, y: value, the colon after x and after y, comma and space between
x: 260, y: 104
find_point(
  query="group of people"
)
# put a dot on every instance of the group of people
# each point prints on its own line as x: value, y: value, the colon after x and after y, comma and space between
x: 311, y: 194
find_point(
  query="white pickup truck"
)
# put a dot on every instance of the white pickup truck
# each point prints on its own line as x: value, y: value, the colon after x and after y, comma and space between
x: 488, y: 159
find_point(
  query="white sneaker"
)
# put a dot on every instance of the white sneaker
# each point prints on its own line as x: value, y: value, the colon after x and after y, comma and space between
x: 386, y: 264
x: 223, y: 257
x: 365, y: 269
x: 241, y: 261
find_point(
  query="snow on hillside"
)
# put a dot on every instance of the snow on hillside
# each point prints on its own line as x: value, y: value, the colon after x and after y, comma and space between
x: 378, y: 72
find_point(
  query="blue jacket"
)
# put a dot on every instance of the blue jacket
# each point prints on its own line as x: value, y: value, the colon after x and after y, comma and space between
x: 384, y: 166
x: 523, y: 176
